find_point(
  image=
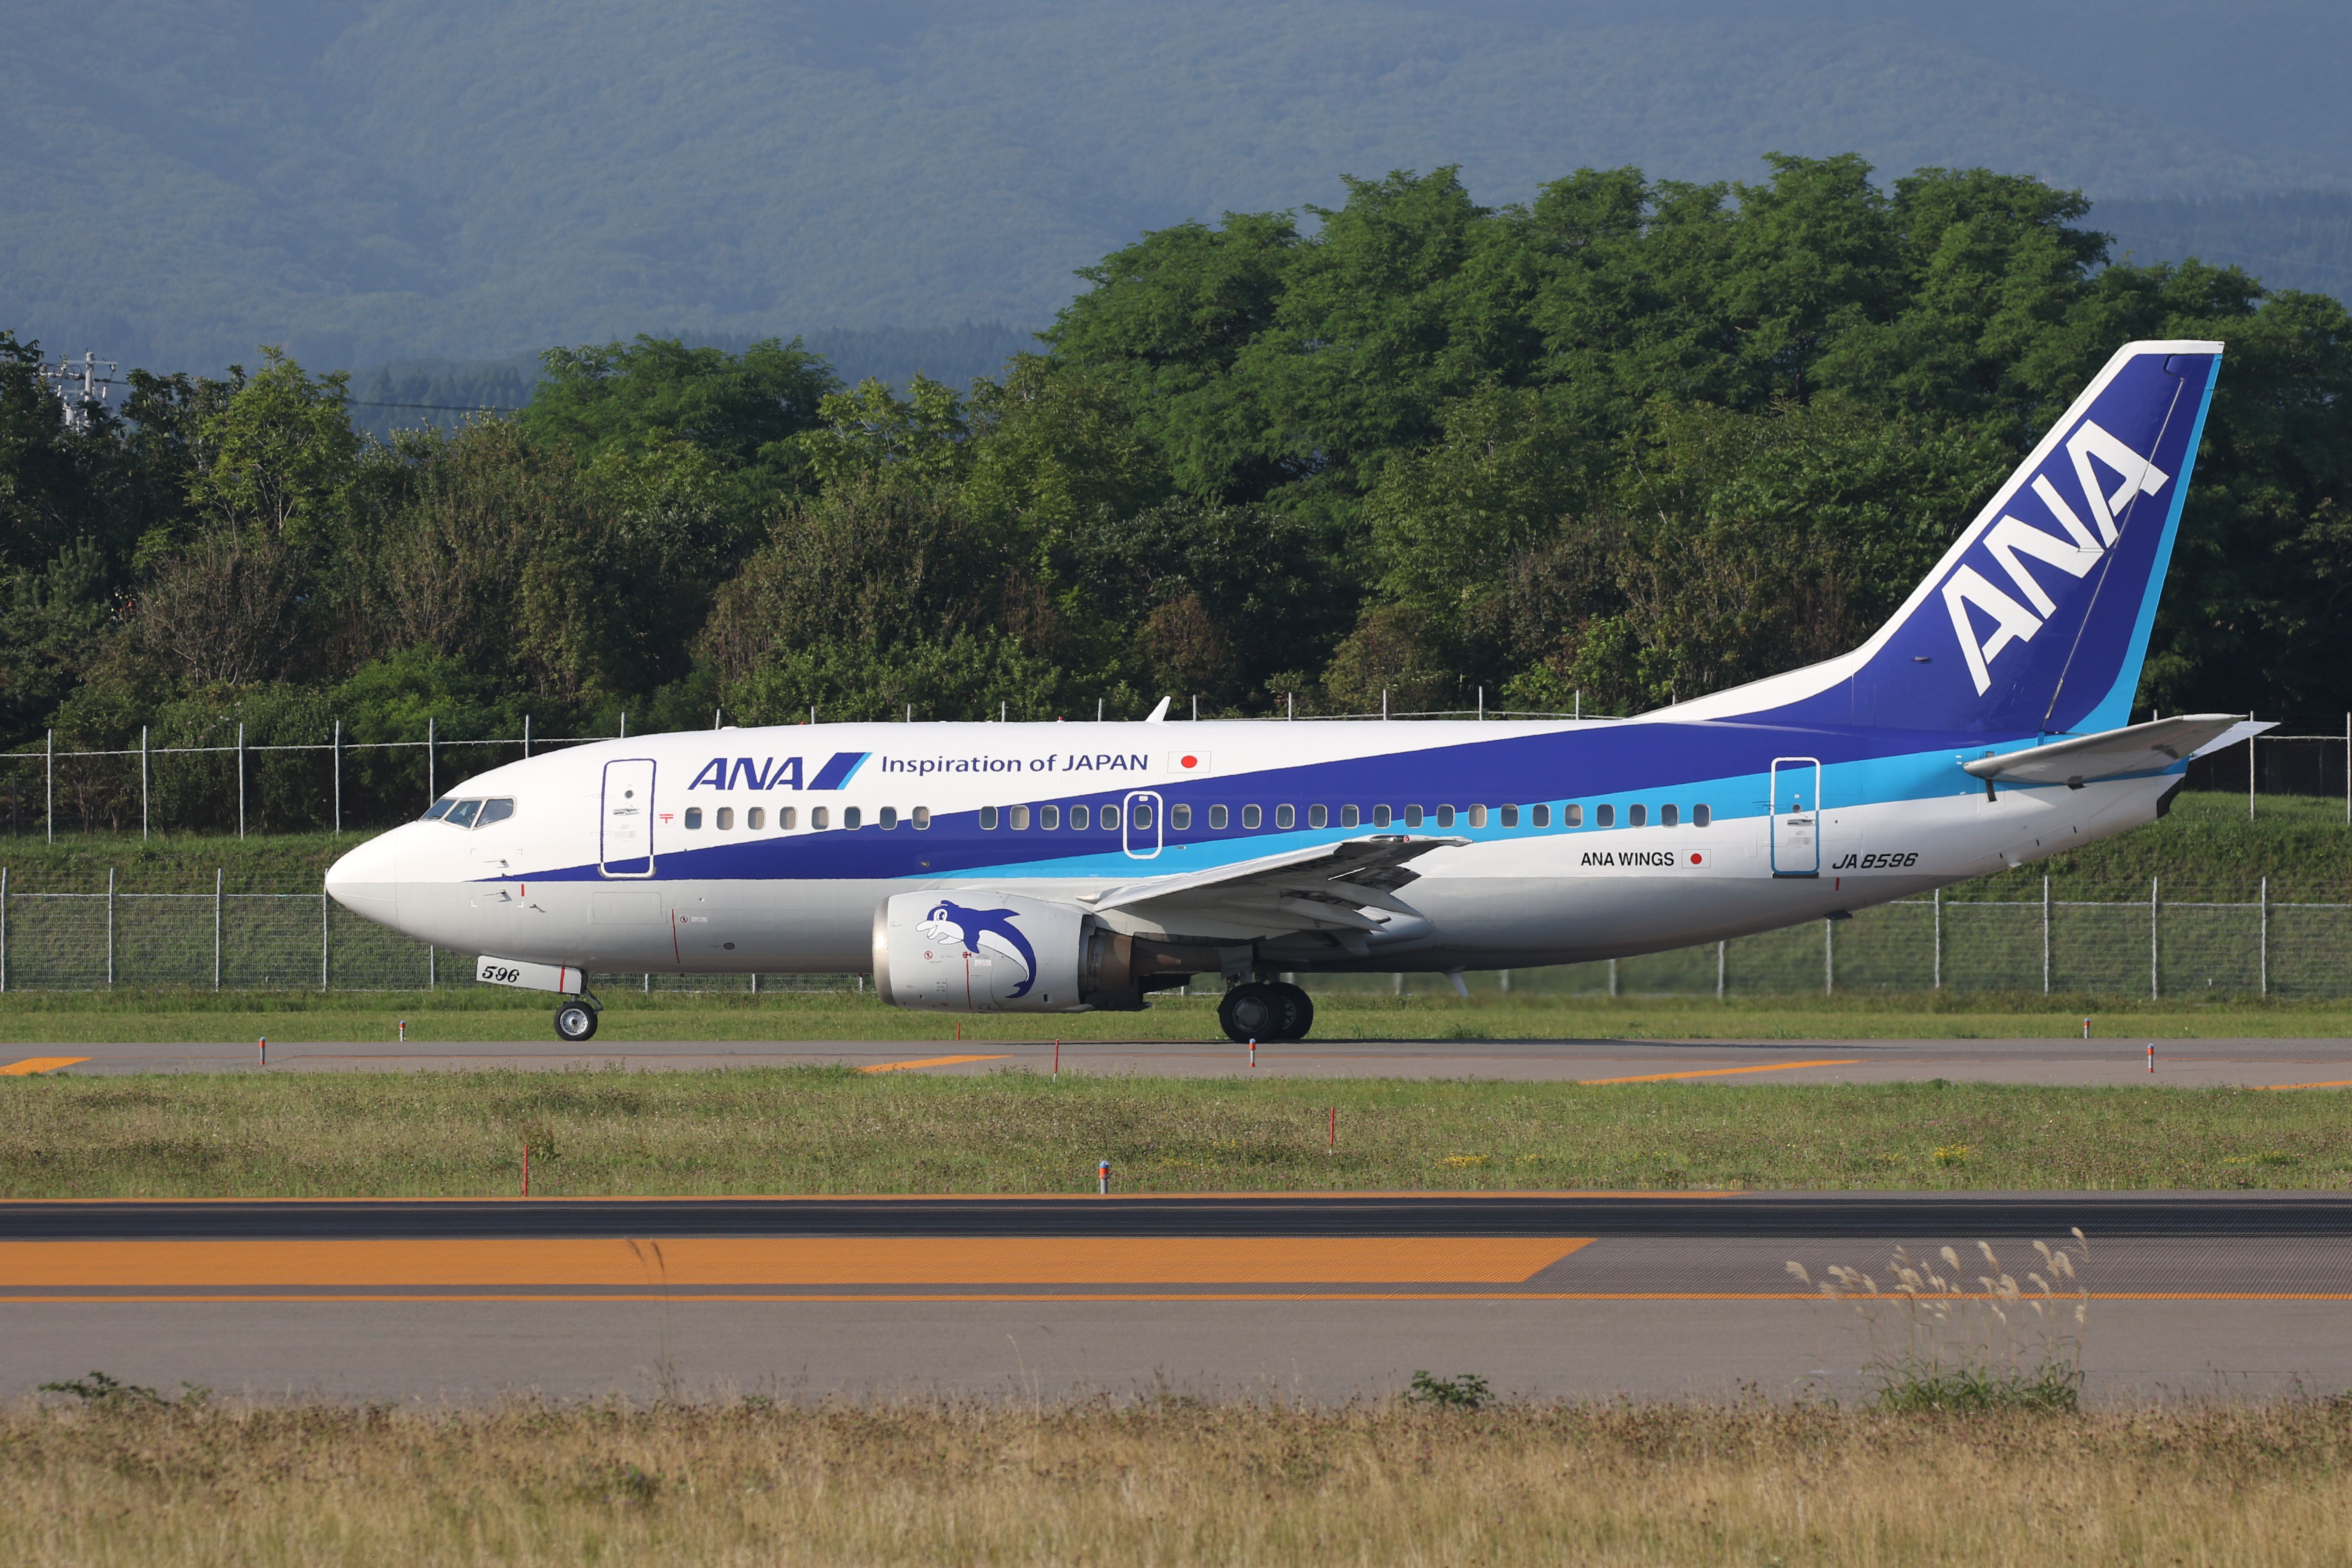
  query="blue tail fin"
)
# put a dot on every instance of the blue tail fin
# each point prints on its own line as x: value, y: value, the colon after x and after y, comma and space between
x: 2036, y: 621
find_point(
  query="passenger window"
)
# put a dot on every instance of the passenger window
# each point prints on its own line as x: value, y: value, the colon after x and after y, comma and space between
x: 438, y: 810
x: 1217, y: 817
x: 787, y: 816
x: 1141, y: 817
x: 756, y: 818
x: 1477, y: 816
x: 1412, y: 816
x: 1540, y: 817
x: 1670, y: 816
x: 852, y: 818
x: 1020, y: 819
x: 1604, y: 816
x: 1510, y: 816
x: 1078, y: 817
x: 988, y: 819
x: 693, y: 816
x: 726, y: 816
x: 495, y: 811
x: 1285, y: 816
x: 1111, y: 819
x: 1319, y: 816
x: 1379, y: 816
x: 1049, y: 818
x: 1701, y: 816
x: 1637, y: 816
x: 462, y: 814
x: 820, y: 816
x: 1571, y: 815
x: 922, y: 819
x: 1445, y: 816
x: 1348, y: 817
x: 1251, y: 816
x: 1179, y: 817
x: 889, y: 819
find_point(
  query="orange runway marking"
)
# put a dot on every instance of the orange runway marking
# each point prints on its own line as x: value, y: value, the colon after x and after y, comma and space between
x: 784, y: 1261
x: 931, y: 1062
x: 1720, y: 1072
x: 2338, y: 1083
x: 966, y: 1297
x: 32, y: 1065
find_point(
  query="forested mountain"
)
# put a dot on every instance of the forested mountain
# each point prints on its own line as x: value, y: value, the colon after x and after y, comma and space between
x: 360, y: 181
x: 1631, y: 441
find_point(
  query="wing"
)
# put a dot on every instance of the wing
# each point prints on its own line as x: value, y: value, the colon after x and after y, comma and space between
x: 1350, y: 886
x: 2138, y: 749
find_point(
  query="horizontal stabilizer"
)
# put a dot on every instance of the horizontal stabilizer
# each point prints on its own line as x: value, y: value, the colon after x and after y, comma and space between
x: 2148, y: 748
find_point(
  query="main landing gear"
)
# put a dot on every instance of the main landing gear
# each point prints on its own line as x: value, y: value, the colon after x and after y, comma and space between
x: 576, y: 1020
x: 1264, y: 1010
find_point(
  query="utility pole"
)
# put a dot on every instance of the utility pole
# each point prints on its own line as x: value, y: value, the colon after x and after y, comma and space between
x: 92, y: 392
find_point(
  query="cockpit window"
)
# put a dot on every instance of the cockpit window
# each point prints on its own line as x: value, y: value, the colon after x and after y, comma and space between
x: 438, y: 809
x: 495, y: 811
x: 461, y: 814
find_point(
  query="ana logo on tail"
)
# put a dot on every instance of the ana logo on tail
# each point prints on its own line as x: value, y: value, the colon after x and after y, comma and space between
x: 2075, y: 552
x: 983, y: 931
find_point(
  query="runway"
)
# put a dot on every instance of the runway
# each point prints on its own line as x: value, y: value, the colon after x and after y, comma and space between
x: 1317, y: 1296
x: 2251, y: 1063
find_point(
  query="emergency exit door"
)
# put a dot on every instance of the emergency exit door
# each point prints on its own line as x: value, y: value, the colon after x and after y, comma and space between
x: 1796, y: 816
x: 625, y: 847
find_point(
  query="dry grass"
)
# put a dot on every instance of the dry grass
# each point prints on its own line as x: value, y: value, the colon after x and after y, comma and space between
x: 1174, y: 1482
x: 816, y: 1130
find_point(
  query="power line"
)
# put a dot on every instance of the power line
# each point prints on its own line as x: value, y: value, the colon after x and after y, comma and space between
x: 440, y: 407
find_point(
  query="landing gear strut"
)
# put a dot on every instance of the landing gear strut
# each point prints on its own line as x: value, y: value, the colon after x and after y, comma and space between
x: 576, y: 1020
x: 1264, y: 1010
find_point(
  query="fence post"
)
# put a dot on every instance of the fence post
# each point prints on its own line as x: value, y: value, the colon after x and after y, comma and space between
x: 49, y: 789
x: 240, y: 778
x: 143, y: 812
x: 2263, y: 945
x: 2250, y: 769
x: 2045, y: 936
x: 525, y: 737
x: 110, y: 926
x: 322, y: 937
x: 1722, y: 953
x: 1829, y: 958
x: 432, y: 787
x: 1938, y: 938
x: 338, y: 778
x: 2154, y: 986
x: 216, y: 926
x: 1613, y: 977
x: 4, y: 928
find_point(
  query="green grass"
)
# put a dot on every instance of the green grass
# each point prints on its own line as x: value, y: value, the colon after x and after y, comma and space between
x: 823, y: 1130
x: 485, y: 1016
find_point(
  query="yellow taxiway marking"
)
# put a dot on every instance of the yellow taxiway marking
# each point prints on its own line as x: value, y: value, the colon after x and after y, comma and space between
x: 32, y: 1065
x: 786, y: 1262
x: 929, y: 1062
x: 2338, y: 1083
x: 1720, y: 1072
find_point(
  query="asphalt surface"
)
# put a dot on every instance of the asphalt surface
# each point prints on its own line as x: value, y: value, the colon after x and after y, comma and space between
x: 1305, y: 1296
x: 2097, y: 1062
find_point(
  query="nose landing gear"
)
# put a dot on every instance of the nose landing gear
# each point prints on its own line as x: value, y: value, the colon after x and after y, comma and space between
x: 1264, y: 1010
x: 576, y: 1020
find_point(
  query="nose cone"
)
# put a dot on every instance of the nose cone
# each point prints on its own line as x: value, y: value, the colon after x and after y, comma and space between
x: 367, y: 880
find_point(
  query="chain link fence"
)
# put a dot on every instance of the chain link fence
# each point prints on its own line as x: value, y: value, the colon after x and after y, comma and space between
x: 2145, y: 946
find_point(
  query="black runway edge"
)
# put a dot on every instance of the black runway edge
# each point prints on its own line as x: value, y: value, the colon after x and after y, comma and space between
x: 1936, y: 1217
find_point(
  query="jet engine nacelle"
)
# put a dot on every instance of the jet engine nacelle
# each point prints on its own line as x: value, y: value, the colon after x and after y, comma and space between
x: 976, y: 951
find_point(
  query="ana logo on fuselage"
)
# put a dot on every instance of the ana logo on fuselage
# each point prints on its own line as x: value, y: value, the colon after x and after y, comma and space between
x: 2074, y: 553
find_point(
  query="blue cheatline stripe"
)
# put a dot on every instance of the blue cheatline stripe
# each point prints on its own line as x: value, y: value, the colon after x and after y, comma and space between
x: 837, y: 772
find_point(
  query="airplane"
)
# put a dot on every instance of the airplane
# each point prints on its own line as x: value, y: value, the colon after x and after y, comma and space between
x: 1059, y: 868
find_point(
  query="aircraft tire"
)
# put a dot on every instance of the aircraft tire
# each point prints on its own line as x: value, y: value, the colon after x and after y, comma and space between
x: 575, y: 1021
x: 1299, y: 1011
x: 1253, y: 1011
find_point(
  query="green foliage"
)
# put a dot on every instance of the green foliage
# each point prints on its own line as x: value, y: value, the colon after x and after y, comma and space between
x: 1628, y: 442
x: 1468, y: 1392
